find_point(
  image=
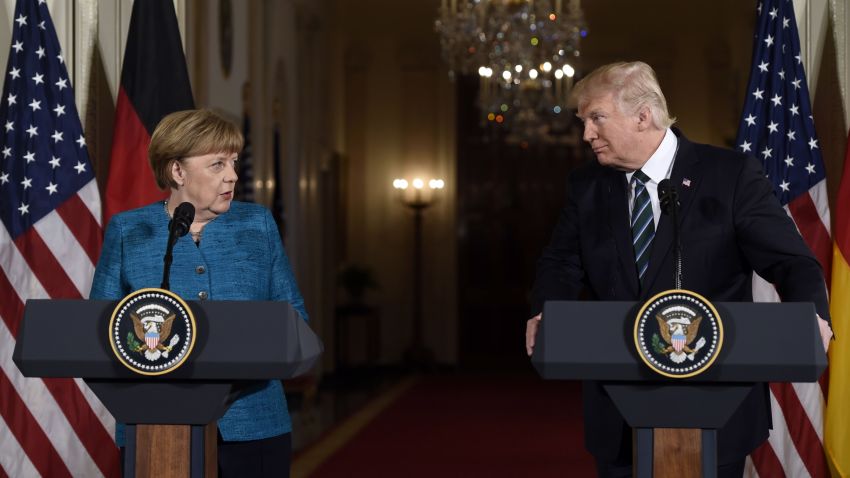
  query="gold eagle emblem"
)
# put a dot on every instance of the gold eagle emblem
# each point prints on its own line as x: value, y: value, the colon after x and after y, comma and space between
x: 668, y: 329
x: 152, y: 332
x: 678, y: 334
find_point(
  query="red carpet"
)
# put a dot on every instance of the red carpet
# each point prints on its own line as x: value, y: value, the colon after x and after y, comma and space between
x: 489, y: 426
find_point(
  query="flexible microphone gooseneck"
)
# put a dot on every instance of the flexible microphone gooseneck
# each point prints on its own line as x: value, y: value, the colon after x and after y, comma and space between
x: 177, y: 228
x: 669, y: 199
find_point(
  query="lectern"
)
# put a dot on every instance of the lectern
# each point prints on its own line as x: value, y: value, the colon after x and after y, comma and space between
x: 765, y: 342
x: 239, y: 345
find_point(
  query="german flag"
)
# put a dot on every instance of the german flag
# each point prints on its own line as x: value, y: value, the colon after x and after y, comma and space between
x: 154, y: 83
x: 838, y: 404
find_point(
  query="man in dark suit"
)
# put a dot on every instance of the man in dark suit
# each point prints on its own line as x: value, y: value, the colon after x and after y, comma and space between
x: 612, y: 243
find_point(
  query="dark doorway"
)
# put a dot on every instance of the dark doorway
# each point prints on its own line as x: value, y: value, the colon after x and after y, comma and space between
x: 509, y: 196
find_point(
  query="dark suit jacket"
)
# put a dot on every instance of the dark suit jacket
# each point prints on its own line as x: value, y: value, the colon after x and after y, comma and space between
x: 731, y: 225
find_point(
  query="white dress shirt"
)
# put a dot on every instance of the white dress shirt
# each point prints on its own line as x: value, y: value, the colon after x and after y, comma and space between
x: 658, y: 167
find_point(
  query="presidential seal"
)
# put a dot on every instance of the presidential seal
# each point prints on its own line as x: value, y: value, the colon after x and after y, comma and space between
x: 152, y: 331
x: 678, y: 333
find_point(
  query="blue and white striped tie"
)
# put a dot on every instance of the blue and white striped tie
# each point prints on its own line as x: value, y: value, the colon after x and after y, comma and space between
x: 643, y: 225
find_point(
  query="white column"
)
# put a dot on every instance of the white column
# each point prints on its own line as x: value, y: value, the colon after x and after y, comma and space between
x: 812, y: 23
x: 839, y: 16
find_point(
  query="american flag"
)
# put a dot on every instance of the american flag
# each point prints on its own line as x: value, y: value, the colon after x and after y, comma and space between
x: 49, y: 243
x: 777, y: 127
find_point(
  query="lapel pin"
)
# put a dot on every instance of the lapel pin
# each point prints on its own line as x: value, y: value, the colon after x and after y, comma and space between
x: 686, y: 182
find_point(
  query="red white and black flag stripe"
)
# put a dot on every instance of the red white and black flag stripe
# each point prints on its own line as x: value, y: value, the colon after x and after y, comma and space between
x: 154, y: 83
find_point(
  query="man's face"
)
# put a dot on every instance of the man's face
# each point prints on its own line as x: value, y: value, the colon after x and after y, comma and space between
x: 612, y: 134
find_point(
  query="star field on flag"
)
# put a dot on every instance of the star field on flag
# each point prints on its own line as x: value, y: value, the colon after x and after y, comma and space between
x: 777, y: 124
x: 44, y: 156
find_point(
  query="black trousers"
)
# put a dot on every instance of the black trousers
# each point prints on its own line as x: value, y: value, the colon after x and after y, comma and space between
x: 266, y: 458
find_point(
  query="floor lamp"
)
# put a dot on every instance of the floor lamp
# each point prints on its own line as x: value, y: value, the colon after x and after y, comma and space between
x: 418, y: 197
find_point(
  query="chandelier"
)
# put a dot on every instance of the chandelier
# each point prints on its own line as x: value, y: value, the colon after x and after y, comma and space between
x: 523, y: 51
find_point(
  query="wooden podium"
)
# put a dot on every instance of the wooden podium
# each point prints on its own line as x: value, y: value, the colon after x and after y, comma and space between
x: 765, y: 342
x: 171, y: 419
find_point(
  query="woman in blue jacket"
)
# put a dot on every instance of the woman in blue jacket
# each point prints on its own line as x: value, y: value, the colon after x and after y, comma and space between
x: 232, y: 252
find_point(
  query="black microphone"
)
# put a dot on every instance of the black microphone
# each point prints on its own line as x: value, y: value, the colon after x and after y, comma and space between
x: 668, y: 196
x: 183, y: 217
x: 177, y: 228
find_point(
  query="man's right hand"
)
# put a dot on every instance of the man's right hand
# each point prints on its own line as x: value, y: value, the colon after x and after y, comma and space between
x: 531, y: 332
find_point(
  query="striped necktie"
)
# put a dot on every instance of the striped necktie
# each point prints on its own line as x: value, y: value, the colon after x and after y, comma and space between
x: 643, y: 225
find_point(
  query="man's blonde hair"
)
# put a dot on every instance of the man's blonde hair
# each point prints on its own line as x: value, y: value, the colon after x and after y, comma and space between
x: 188, y: 133
x: 634, y: 85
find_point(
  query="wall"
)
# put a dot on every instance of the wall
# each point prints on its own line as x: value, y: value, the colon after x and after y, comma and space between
x: 703, y: 68
x: 396, y: 104
x: 276, y: 46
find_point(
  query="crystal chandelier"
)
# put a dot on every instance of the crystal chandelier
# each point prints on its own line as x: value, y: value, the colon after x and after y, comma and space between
x: 524, y: 52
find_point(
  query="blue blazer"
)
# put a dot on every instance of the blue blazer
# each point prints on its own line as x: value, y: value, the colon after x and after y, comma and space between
x: 240, y: 257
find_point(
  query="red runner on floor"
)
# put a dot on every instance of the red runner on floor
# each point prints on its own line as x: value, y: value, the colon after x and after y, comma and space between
x: 488, y: 426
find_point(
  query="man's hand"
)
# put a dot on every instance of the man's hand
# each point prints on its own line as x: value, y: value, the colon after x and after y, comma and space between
x: 825, y: 333
x: 531, y: 332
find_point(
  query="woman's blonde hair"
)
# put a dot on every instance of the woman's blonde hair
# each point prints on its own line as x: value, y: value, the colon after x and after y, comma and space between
x: 634, y: 86
x: 190, y: 133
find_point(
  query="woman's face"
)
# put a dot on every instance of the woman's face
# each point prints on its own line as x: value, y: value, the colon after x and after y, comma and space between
x: 206, y: 181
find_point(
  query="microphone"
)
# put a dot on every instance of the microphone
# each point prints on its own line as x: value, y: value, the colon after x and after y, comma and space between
x: 668, y: 196
x: 183, y: 217
x: 177, y: 228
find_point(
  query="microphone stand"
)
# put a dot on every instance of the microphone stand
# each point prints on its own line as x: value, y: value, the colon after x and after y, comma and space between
x: 178, y: 227
x: 669, y: 198
x: 168, y: 259
x: 677, y: 244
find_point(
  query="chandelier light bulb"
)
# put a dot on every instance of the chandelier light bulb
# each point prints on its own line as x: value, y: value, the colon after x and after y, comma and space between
x: 506, y: 75
x: 532, y: 73
x: 418, y: 183
x: 568, y: 70
x: 559, y: 74
x: 485, y: 72
x: 547, y: 67
x: 518, y: 68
